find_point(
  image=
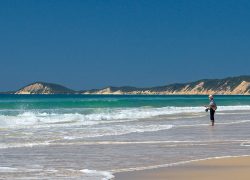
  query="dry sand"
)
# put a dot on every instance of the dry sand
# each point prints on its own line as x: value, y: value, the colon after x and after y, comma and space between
x: 235, y: 168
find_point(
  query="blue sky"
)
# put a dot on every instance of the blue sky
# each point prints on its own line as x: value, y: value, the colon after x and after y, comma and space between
x: 91, y: 44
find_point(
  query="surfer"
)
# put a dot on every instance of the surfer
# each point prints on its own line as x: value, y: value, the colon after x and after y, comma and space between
x: 212, y: 107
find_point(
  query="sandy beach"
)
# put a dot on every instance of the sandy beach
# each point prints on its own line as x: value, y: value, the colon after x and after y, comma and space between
x: 216, y: 169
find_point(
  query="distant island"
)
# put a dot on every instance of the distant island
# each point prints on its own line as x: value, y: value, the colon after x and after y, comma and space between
x: 230, y: 85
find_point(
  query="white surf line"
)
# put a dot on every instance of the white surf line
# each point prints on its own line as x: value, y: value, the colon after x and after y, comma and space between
x: 171, y: 164
x: 156, y: 142
x: 225, y: 123
x: 165, y: 143
x: 7, y: 169
x: 24, y: 145
x: 235, y: 122
x: 171, y: 143
x: 246, y: 144
x: 107, y: 175
x: 23, y: 169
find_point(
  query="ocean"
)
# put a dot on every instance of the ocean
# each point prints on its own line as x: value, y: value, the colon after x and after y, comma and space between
x: 93, y: 137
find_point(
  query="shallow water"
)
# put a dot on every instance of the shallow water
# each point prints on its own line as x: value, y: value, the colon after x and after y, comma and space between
x: 93, y: 137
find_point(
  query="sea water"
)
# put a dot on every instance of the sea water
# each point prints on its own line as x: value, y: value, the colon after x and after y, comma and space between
x: 95, y: 136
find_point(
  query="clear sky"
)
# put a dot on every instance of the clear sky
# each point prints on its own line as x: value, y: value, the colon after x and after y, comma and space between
x: 92, y: 44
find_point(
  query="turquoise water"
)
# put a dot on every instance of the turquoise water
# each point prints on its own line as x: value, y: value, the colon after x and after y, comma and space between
x: 114, y: 101
x: 91, y: 137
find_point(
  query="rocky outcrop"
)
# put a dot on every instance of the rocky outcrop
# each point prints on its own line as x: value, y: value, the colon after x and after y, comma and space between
x: 44, y: 88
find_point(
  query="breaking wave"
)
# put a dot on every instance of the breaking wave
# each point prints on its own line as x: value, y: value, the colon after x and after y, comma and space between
x: 88, y: 117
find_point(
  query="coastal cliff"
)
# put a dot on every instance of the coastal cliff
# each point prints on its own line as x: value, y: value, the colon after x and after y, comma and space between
x: 231, y: 85
x: 44, y: 88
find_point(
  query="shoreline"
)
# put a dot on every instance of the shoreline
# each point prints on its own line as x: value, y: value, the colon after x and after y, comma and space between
x: 217, y: 168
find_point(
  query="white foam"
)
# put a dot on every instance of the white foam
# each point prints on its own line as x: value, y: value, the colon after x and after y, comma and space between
x: 91, y: 117
x: 121, y: 130
x: 22, y: 169
x: 235, y: 122
x: 166, y: 143
x: 8, y: 169
x: 232, y: 122
x: 233, y: 108
x: 28, y: 119
x: 104, y: 175
x: 19, y: 145
x: 247, y: 144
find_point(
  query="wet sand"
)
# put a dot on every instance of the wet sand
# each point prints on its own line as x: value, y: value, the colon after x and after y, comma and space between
x: 216, y: 169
